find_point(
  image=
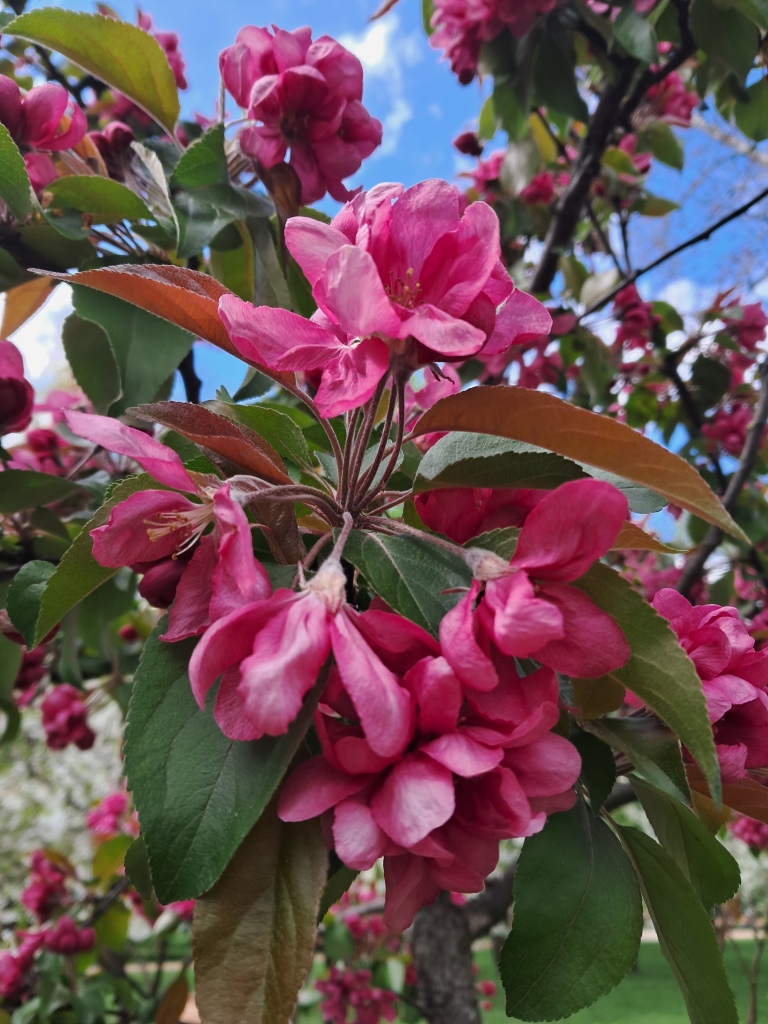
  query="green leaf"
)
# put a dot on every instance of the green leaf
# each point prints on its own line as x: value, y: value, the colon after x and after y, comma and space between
x: 511, y: 114
x: 480, y: 460
x: 92, y: 361
x: 255, y: 931
x: 554, y: 79
x: 664, y: 144
x: 137, y: 868
x: 15, y: 187
x: 199, y: 223
x: 410, y: 574
x: 651, y: 748
x: 270, y: 286
x: 78, y: 573
x: 685, y: 933
x: 636, y: 35
x: 119, y: 54
x: 726, y: 35
x: 711, y: 379
x: 26, y: 488
x: 236, y: 268
x: 203, y: 163
x: 105, y: 201
x: 577, y: 919
x: 487, y: 124
x: 659, y: 671
x: 24, y: 596
x: 337, y: 884
x: 598, y: 767
x: 275, y: 427
x: 146, y: 349
x: 752, y: 116
x: 194, y: 811
x: 427, y: 10
x: 655, y: 206
x: 10, y: 662
x: 704, y: 861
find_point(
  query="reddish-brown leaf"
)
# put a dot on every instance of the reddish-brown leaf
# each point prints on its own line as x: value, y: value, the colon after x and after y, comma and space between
x: 183, y: 297
x: 224, y: 437
x: 22, y: 302
x: 541, y: 419
x: 632, y: 538
x: 747, y: 796
x: 173, y: 1002
x: 596, y: 697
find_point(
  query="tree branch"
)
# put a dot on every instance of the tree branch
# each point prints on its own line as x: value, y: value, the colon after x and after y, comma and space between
x: 191, y: 381
x: 694, y: 567
x: 702, y: 236
x: 442, y: 956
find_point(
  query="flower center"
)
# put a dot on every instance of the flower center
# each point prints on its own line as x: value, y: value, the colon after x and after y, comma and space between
x: 194, y: 520
x: 406, y: 292
x: 294, y: 124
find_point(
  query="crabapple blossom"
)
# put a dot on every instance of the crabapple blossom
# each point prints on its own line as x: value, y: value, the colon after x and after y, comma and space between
x: 746, y: 322
x: 734, y: 677
x: 529, y: 609
x: 270, y: 653
x: 44, y: 118
x: 461, y: 28
x: 151, y: 529
x: 402, y: 279
x: 670, y: 101
x: 307, y: 97
x: 16, y: 394
x: 31, y: 671
x: 636, y: 317
x: 478, y: 767
x: 47, y: 888
x: 344, y: 990
x: 729, y: 427
x: 750, y: 831
x: 461, y: 513
x: 540, y: 190
x: 64, y: 717
x: 66, y: 938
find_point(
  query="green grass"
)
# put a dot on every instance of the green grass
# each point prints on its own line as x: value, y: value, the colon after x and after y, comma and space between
x: 647, y: 996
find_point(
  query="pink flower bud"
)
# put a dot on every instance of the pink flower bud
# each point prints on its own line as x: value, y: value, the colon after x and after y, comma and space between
x: 64, y: 718
x: 16, y: 394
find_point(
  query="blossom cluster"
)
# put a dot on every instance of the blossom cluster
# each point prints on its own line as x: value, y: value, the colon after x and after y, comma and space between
x: 305, y: 96
x: 733, y: 674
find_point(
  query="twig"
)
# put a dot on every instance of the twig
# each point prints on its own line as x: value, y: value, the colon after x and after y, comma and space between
x: 702, y: 236
x: 694, y: 567
x: 191, y: 381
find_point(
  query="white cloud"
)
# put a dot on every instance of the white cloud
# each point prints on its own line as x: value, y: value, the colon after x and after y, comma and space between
x: 687, y: 296
x: 385, y: 56
x: 39, y: 341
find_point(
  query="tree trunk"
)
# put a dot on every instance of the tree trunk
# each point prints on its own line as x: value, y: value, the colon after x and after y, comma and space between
x: 442, y: 955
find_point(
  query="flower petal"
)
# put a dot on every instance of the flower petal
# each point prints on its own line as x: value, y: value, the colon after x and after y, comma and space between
x: 358, y: 840
x: 350, y: 291
x: 570, y: 529
x: 417, y: 796
x: 314, y: 787
x: 276, y: 338
x: 592, y: 643
x: 160, y: 462
x: 351, y: 377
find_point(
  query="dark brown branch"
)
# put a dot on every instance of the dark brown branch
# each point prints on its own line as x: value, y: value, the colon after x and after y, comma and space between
x: 492, y: 905
x: 601, y: 126
x: 694, y: 567
x: 189, y: 378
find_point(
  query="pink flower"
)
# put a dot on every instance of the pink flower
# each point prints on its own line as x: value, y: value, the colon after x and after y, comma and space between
x: 671, y: 101
x: 31, y: 671
x: 402, y: 283
x: 462, y: 513
x: 66, y: 938
x: 269, y: 654
x: 729, y: 427
x: 114, y: 145
x: 45, y: 118
x: 746, y: 322
x: 462, y: 26
x: 734, y: 677
x: 637, y: 319
x: 41, y: 170
x: 106, y: 819
x: 169, y: 43
x: 641, y: 160
x: 16, y: 394
x: 47, y: 888
x: 530, y: 610
x: 65, y: 718
x: 152, y: 528
x: 748, y: 830
x: 307, y: 97
x: 540, y: 190
x: 476, y: 769
x: 485, y: 176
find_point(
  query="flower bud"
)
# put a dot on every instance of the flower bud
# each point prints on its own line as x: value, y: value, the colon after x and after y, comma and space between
x: 16, y: 394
